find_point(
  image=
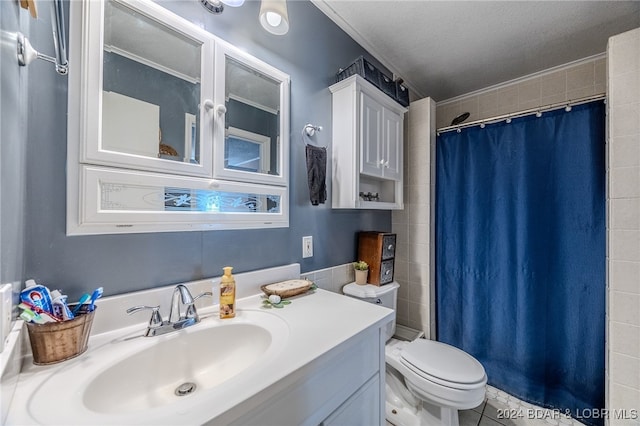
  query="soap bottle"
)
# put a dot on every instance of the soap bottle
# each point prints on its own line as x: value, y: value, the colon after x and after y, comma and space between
x: 227, y: 294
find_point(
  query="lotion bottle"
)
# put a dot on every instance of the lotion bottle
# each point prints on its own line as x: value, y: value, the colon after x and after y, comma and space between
x: 227, y: 294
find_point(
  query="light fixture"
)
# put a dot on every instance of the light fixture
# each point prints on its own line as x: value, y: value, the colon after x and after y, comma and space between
x: 274, y: 17
x: 217, y: 6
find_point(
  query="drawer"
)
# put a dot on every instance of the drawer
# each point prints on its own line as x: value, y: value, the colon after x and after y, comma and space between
x: 386, y: 271
x: 389, y: 246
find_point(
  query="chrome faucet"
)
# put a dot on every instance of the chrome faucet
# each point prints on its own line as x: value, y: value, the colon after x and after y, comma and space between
x: 181, y: 295
x: 176, y: 321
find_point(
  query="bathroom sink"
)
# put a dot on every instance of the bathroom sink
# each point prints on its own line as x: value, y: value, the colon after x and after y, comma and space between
x: 177, y: 367
x: 163, y: 375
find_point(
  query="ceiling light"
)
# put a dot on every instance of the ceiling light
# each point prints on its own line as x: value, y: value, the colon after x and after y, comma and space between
x: 216, y: 6
x: 274, y: 17
x: 233, y: 3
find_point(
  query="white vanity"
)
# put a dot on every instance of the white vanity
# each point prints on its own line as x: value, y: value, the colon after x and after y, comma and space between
x: 319, y: 360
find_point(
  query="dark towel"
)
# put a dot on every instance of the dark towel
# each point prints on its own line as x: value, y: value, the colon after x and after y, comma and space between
x: 316, y: 174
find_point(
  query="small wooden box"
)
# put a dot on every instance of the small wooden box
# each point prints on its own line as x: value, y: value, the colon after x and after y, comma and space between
x: 378, y: 249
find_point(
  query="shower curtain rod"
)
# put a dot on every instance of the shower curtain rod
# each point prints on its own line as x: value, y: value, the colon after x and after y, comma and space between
x: 550, y: 107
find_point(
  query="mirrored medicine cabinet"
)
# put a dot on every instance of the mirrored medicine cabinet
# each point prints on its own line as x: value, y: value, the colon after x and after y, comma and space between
x: 169, y: 127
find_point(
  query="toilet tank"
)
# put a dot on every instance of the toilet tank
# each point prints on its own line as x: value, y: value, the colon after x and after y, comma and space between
x: 384, y: 295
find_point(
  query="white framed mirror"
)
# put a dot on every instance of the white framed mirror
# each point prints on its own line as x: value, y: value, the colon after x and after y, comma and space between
x: 151, y: 70
x: 256, y: 118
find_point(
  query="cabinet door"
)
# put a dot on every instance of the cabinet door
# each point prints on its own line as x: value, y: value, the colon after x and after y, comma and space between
x: 252, y: 116
x: 146, y: 84
x: 392, y: 146
x: 362, y: 408
x: 370, y: 135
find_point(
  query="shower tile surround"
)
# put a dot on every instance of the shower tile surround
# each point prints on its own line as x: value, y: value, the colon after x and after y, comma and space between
x: 623, y: 228
x: 574, y: 80
x: 413, y: 224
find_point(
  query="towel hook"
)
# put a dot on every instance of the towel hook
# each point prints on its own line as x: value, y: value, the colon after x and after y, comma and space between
x: 311, y: 130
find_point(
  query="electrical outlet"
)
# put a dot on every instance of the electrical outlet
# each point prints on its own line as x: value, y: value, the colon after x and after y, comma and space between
x: 307, y: 246
x: 5, y: 313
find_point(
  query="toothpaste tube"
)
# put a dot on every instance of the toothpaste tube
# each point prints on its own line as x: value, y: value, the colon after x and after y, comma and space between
x: 30, y: 316
x: 60, y: 308
x: 37, y: 296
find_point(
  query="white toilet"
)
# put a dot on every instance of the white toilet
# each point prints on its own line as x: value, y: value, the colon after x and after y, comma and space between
x: 427, y: 381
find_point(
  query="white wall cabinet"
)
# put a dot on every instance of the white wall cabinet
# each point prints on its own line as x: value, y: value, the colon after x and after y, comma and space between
x: 169, y: 127
x: 367, y: 150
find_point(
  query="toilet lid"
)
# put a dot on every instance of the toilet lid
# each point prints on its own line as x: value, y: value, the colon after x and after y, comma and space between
x: 443, y: 362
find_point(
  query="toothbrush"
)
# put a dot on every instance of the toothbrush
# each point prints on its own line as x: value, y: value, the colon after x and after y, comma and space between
x: 82, y: 301
x: 97, y: 293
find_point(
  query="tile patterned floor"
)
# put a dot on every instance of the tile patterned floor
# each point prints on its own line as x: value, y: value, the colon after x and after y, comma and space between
x: 502, y: 409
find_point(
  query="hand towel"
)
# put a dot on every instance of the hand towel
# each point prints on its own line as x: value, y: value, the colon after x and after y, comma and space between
x: 316, y: 174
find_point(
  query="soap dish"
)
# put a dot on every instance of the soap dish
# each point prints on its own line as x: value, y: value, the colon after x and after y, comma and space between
x: 287, y: 288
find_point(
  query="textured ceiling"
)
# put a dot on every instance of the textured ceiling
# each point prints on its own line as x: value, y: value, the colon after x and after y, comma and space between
x: 444, y: 49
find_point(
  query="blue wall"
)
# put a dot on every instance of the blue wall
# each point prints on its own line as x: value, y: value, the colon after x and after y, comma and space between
x: 310, y: 53
x: 13, y: 142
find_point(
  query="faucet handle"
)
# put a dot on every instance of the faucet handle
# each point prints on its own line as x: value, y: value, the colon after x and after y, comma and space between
x: 206, y: 293
x: 156, y: 319
x: 191, y: 309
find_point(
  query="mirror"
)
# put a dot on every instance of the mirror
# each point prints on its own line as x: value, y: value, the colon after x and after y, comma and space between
x: 151, y: 87
x: 125, y: 197
x: 252, y: 121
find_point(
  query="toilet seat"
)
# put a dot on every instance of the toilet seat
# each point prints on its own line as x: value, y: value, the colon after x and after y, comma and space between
x: 443, y: 364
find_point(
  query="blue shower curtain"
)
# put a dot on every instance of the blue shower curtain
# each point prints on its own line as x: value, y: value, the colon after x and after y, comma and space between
x: 520, y: 254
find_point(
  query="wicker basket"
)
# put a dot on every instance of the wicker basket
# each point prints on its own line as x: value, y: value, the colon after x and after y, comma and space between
x: 59, y: 341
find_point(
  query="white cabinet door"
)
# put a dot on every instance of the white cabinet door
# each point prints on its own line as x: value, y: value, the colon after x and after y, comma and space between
x: 392, y: 145
x: 128, y: 97
x: 370, y: 135
x: 252, y: 119
x: 361, y: 409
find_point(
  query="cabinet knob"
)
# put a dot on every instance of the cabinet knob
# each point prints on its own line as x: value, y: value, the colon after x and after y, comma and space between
x: 384, y: 163
x: 390, y: 247
x: 221, y: 109
x: 208, y: 105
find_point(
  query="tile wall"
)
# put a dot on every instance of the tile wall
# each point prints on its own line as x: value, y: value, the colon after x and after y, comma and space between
x: 413, y: 225
x: 332, y: 279
x: 624, y: 227
x: 570, y: 81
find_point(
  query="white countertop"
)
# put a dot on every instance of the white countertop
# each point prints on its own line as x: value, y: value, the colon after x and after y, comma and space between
x: 318, y: 322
